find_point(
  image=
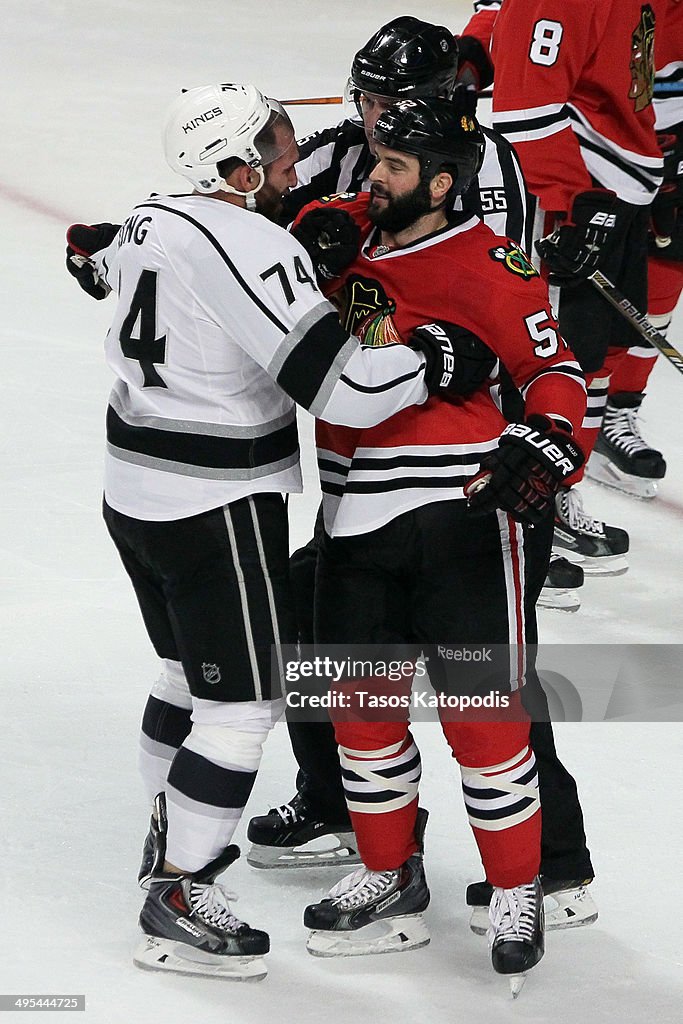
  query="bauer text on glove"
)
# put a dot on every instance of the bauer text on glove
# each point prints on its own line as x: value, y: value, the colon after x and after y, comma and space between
x: 458, y: 362
x: 524, y: 473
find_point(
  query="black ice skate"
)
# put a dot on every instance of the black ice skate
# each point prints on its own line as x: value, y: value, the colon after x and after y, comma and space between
x: 567, y: 903
x: 561, y: 584
x: 622, y: 459
x: 294, y: 836
x: 599, y: 548
x: 373, y: 911
x: 190, y: 929
x: 515, y: 932
x: 154, y: 847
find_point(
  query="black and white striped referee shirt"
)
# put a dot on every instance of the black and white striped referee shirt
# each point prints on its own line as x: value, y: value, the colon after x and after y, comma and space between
x: 338, y: 159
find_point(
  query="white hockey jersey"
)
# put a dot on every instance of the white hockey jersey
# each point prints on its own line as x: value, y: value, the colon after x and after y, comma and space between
x: 219, y: 329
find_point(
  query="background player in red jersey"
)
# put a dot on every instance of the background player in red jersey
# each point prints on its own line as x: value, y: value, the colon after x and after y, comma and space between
x: 622, y: 458
x: 573, y: 93
x: 404, y: 559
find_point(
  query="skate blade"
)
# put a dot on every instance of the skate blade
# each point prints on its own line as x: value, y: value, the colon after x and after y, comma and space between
x: 574, y: 908
x: 479, y: 920
x: 338, y: 848
x: 517, y: 983
x: 559, y: 599
x: 601, y: 471
x: 607, y: 565
x: 155, y: 954
x: 394, y: 935
x: 604, y: 565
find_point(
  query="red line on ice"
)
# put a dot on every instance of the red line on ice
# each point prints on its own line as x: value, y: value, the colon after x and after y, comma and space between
x: 19, y: 198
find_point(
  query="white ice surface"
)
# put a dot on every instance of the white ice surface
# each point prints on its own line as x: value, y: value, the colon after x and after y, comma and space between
x: 84, y: 85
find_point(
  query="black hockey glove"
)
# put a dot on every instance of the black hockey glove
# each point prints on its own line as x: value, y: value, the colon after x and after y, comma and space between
x: 82, y: 240
x: 523, y: 474
x: 458, y: 362
x: 475, y: 69
x: 665, y: 212
x: 331, y: 238
x: 574, y: 249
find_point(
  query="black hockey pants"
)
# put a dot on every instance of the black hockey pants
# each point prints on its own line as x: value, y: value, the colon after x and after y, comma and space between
x: 564, y: 853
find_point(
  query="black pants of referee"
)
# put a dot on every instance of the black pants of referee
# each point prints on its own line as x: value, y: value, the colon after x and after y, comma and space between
x: 564, y: 854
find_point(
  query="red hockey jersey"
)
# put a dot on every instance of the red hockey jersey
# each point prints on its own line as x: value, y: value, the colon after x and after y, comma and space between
x: 463, y: 274
x: 573, y: 92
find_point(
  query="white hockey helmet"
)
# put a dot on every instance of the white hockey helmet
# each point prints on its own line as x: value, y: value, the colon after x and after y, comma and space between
x: 214, y: 122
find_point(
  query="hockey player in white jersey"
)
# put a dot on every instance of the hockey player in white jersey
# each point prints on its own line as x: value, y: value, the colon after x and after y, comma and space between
x: 219, y: 328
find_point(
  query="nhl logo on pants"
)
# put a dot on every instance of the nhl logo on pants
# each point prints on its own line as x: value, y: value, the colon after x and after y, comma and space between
x: 211, y: 673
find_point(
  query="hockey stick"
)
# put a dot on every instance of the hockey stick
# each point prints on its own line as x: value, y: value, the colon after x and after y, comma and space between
x: 319, y: 100
x: 312, y: 101
x: 637, y: 319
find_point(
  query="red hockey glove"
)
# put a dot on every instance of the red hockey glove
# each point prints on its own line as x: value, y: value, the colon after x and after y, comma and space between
x: 331, y: 238
x: 523, y: 474
x: 574, y: 249
x: 82, y: 241
x: 458, y: 362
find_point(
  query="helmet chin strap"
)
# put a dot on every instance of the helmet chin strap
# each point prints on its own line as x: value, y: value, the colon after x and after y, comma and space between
x: 249, y: 197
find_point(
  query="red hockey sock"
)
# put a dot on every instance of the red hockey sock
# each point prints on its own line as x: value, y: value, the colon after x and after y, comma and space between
x: 381, y: 772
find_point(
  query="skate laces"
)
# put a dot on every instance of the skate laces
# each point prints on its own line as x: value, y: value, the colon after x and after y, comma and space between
x: 512, y: 914
x: 360, y: 886
x: 571, y: 511
x: 210, y: 902
x: 621, y: 429
x: 288, y: 812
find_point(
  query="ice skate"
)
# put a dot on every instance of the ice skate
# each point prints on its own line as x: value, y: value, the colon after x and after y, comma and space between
x: 560, y: 588
x: 293, y: 836
x: 373, y: 911
x: 568, y: 904
x: 154, y: 847
x: 189, y: 927
x: 515, y: 932
x: 599, y: 549
x: 622, y: 459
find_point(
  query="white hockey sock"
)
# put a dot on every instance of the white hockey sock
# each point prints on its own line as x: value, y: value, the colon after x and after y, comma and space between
x: 208, y: 785
x: 166, y: 722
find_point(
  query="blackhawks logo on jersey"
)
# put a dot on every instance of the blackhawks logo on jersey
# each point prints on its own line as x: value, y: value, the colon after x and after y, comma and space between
x: 366, y: 311
x: 642, y: 64
x: 514, y: 259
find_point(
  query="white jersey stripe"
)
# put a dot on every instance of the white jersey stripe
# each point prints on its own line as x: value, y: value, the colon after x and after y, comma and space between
x: 512, y: 546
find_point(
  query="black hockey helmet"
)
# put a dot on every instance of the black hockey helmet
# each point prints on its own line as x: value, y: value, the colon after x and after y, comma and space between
x: 406, y: 58
x: 437, y: 134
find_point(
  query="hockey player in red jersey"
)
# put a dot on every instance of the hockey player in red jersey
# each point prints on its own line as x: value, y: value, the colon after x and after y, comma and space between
x: 405, y: 557
x: 573, y: 93
x: 410, y: 58
x: 622, y: 458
